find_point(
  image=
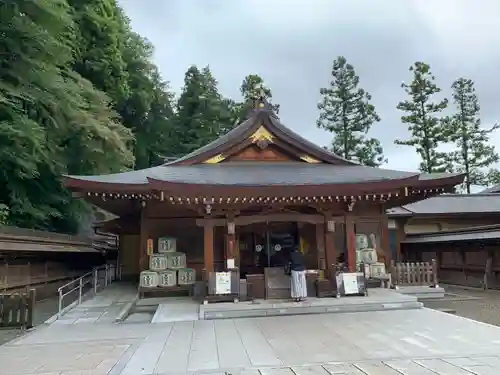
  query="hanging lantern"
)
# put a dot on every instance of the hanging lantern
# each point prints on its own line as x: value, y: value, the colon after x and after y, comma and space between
x: 231, y: 227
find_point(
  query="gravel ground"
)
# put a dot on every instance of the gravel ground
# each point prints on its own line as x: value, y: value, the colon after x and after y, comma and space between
x: 476, y: 304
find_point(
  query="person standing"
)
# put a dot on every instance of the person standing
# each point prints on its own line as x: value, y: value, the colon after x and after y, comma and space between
x: 298, y: 275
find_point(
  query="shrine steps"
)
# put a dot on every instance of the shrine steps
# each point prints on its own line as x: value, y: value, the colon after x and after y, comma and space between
x: 378, y: 300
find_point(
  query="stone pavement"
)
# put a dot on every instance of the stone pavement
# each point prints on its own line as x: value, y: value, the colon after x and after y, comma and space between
x: 101, y: 308
x: 388, y: 342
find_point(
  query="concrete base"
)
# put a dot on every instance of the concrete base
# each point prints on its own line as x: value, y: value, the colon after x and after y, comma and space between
x: 421, y: 292
x: 378, y: 300
x: 176, y: 310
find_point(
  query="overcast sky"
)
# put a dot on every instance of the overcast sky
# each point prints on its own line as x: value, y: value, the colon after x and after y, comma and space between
x: 292, y: 44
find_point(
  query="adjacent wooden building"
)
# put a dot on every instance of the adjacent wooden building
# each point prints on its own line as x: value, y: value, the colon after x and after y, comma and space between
x: 460, y: 231
x: 251, y: 196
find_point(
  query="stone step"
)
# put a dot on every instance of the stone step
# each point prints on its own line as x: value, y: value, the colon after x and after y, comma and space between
x: 260, y: 311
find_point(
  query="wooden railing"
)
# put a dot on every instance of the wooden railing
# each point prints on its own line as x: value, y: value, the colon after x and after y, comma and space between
x: 414, y: 273
x: 17, y: 309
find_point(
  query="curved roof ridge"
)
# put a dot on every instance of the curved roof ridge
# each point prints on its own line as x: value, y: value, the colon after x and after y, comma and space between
x: 258, y: 117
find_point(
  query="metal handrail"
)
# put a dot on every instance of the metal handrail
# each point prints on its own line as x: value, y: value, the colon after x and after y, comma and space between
x: 99, y: 277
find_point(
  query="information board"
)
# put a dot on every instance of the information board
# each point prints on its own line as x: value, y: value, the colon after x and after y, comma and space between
x: 223, y: 283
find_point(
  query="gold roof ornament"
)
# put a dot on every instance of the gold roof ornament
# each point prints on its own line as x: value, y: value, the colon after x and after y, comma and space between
x: 262, y: 134
x: 309, y: 159
x: 214, y: 160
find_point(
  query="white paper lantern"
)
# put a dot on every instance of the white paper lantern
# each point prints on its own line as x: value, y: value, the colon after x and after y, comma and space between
x: 167, y: 278
x: 158, y: 262
x: 186, y: 276
x: 176, y: 261
x: 149, y: 279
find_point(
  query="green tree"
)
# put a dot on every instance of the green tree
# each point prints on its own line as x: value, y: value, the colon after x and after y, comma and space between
x: 148, y: 109
x: 473, y: 154
x: 423, y: 119
x: 253, y: 87
x: 118, y: 61
x: 346, y: 111
x: 202, y: 113
x: 101, y: 33
x: 49, y: 117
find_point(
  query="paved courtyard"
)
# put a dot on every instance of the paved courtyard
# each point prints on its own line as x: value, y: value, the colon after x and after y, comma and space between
x: 391, y: 342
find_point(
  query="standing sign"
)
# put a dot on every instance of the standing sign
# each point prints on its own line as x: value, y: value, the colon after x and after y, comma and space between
x: 350, y: 281
x: 223, y: 283
x: 150, y: 247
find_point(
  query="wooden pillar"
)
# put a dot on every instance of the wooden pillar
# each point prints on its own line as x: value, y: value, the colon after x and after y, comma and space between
x: 230, y: 240
x: 384, y: 239
x: 208, y: 246
x: 144, y: 236
x: 400, y: 236
x: 350, y: 233
x: 320, y: 244
x: 330, y: 253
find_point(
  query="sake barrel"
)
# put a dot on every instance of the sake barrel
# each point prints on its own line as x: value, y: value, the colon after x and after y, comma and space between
x: 167, y: 278
x: 377, y: 269
x: 158, y: 262
x: 176, y: 260
x: 167, y: 245
x: 368, y: 256
x: 149, y: 279
x: 186, y: 276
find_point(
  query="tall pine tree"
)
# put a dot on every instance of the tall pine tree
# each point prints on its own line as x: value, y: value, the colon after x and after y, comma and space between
x: 202, y: 113
x: 473, y: 154
x: 423, y: 119
x: 346, y: 111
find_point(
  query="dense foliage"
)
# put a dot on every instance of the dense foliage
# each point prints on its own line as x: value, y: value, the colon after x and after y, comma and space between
x: 79, y: 94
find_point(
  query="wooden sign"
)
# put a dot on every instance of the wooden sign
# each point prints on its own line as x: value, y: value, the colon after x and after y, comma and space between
x: 150, y: 247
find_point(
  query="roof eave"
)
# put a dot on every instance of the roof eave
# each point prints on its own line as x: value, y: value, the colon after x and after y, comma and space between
x: 353, y: 189
x: 81, y: 184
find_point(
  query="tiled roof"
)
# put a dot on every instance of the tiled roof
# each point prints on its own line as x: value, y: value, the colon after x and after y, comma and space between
x: 254, y: 173
x: 489, y: 232
x: 493, y: 189
x: 451, y: 204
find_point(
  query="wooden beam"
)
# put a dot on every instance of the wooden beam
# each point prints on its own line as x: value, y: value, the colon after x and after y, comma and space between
x: 350, y: 233
x: 384, y: 239
x: 208, y: 247
x: 283, y: 217
x: 144, y: 236
x: 400, y: 235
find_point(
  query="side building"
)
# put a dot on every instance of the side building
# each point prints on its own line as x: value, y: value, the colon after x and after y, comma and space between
x: 460, y: 231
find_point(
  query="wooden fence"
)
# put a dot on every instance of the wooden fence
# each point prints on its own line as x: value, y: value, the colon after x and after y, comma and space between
x: 32, y: 273
x: 17, y: 309
x: 414, y: 273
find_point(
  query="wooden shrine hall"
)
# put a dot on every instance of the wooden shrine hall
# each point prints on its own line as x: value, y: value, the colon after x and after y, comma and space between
x: 247, y: 198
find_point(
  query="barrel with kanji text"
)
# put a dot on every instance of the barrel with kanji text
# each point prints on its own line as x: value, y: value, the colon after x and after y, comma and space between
x: 167, y: 278
x: 176, y: 260
x: 158, y: 262
x: 186, y: 276
x: 148, y: 279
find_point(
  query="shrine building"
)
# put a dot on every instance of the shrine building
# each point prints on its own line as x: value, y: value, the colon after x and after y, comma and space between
x: 252, y: 195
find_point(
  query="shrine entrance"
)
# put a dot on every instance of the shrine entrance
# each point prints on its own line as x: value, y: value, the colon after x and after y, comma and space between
x: 266, y: 245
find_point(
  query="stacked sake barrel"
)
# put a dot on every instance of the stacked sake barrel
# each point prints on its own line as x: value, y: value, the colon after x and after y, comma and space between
x: 167, y: 268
